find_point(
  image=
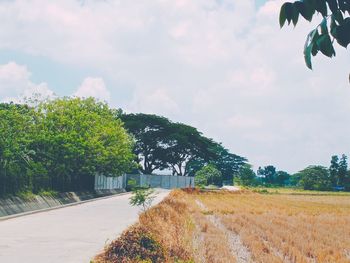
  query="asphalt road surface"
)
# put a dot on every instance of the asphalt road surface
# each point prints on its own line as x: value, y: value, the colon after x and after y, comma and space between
x: 69, y: 235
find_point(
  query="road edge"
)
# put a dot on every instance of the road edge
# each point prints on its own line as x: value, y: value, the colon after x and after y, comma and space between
x: 4, y: 218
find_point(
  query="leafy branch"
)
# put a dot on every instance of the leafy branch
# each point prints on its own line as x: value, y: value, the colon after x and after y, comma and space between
x: 334, y: 26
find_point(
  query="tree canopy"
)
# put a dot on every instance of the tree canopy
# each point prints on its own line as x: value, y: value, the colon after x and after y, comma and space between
x: 246, y: 176
x: 334, y: 24
x: 150, y: 134
x: 208, y: 175
x: 315, y: 178
x: 162, y: 144
x: 60, y: 145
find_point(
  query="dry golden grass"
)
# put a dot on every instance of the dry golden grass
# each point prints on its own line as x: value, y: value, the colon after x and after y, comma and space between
x: 169, y: 224
x: 285, y: 227
x: 182, y: 231
x: 209, y: 242
x: 243, y: 226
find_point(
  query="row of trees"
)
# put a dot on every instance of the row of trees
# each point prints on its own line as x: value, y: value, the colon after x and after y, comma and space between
x: 161, y: 144
x: 267, y: 175
x: 315, y: 177
x: 60, y: 145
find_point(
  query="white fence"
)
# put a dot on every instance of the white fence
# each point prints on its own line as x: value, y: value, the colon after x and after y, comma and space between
x: 159, y: 181
x: 108, y: 183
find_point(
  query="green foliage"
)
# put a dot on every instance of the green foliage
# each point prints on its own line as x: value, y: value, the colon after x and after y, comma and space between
x: 150, y: 134
x: 342, y: 171
x: 26, y: 195
x: 227, y: 163
x: 16, y: 130
x: 268, y: 173
x: 270, y: 176
x: 339, y: 172
x: 130, y: 184
x: 333, y: 169
x: 315, y: 178
x: 49, y: 193
x: 333, y: 26
x: 208, y: 175
x: 162, y: 144
x: 80, y: 138
x: 282, y: 178
x: 60, y: 145
x: 142, y: 198
x: 246, y: 176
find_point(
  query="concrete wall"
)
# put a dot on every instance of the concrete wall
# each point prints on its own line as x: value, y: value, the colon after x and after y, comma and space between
x: 103, y: 182
x: 156, y: 181
x: 16, y: 205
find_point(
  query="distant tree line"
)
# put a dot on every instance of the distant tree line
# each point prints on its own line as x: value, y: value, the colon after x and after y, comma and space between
x: 314, y: 177
x: 161, y: 144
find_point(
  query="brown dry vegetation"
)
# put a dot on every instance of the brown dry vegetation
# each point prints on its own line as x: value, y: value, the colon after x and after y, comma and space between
x: 286, y: 227
x: 177, y: 231
x: 238, y: 227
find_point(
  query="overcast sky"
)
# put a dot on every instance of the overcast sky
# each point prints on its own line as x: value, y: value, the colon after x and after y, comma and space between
x: 223, y: 66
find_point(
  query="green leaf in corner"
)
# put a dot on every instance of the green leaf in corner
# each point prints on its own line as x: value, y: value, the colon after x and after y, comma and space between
x: 338, y: 16
x: 283, y: 17
x: 289, y: 12
x: 321, y: 7
x: 308, y: 47
x: 306, y: 9
x: 333, y: 27
x: 314, y: 50
x: 325, y: 45
x: 323, y: 25
x: 307, y: 56
x: 333, y: 6
x: 342, y: 33
x: 295, y: 14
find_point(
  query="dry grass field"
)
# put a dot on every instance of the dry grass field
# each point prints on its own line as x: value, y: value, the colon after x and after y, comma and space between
x: 242, y: 226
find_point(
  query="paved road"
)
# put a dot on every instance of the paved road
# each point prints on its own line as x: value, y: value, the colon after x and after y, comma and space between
x: 68, y: 235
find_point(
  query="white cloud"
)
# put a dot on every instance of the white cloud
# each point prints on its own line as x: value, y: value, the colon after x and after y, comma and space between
x: 158, y: 101
x: 222, y: 66
x: 15, y: 84
x: 93, y: 87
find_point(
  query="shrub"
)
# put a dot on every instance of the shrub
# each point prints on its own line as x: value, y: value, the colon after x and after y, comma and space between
x: 142, y: 198
x: 209, y: 174
x: 135, y: 244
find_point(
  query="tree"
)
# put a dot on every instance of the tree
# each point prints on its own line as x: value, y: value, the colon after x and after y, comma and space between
x: 162, y: 144
x: 334, y: 170
x: 347, y: 181
x: 16, y: 130
x: 227, y: 163
x: 185, y: 145
x: 246, y: 176
x: 75, y: 139
x: 282, y: 178
x: 151, y: 139
x: 335, y: 24
x: 294, y: 179
x: 338, y: 170
x: 209, y: 174
x: 315, y: 178
x: 342, y: 172
x: 268, y: 173
x: 142, y: 198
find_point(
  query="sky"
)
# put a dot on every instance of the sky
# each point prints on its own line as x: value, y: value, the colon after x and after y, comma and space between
x: 223, y: 66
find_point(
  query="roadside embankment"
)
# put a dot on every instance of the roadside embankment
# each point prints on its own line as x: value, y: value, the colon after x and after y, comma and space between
x: 16, y: 205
